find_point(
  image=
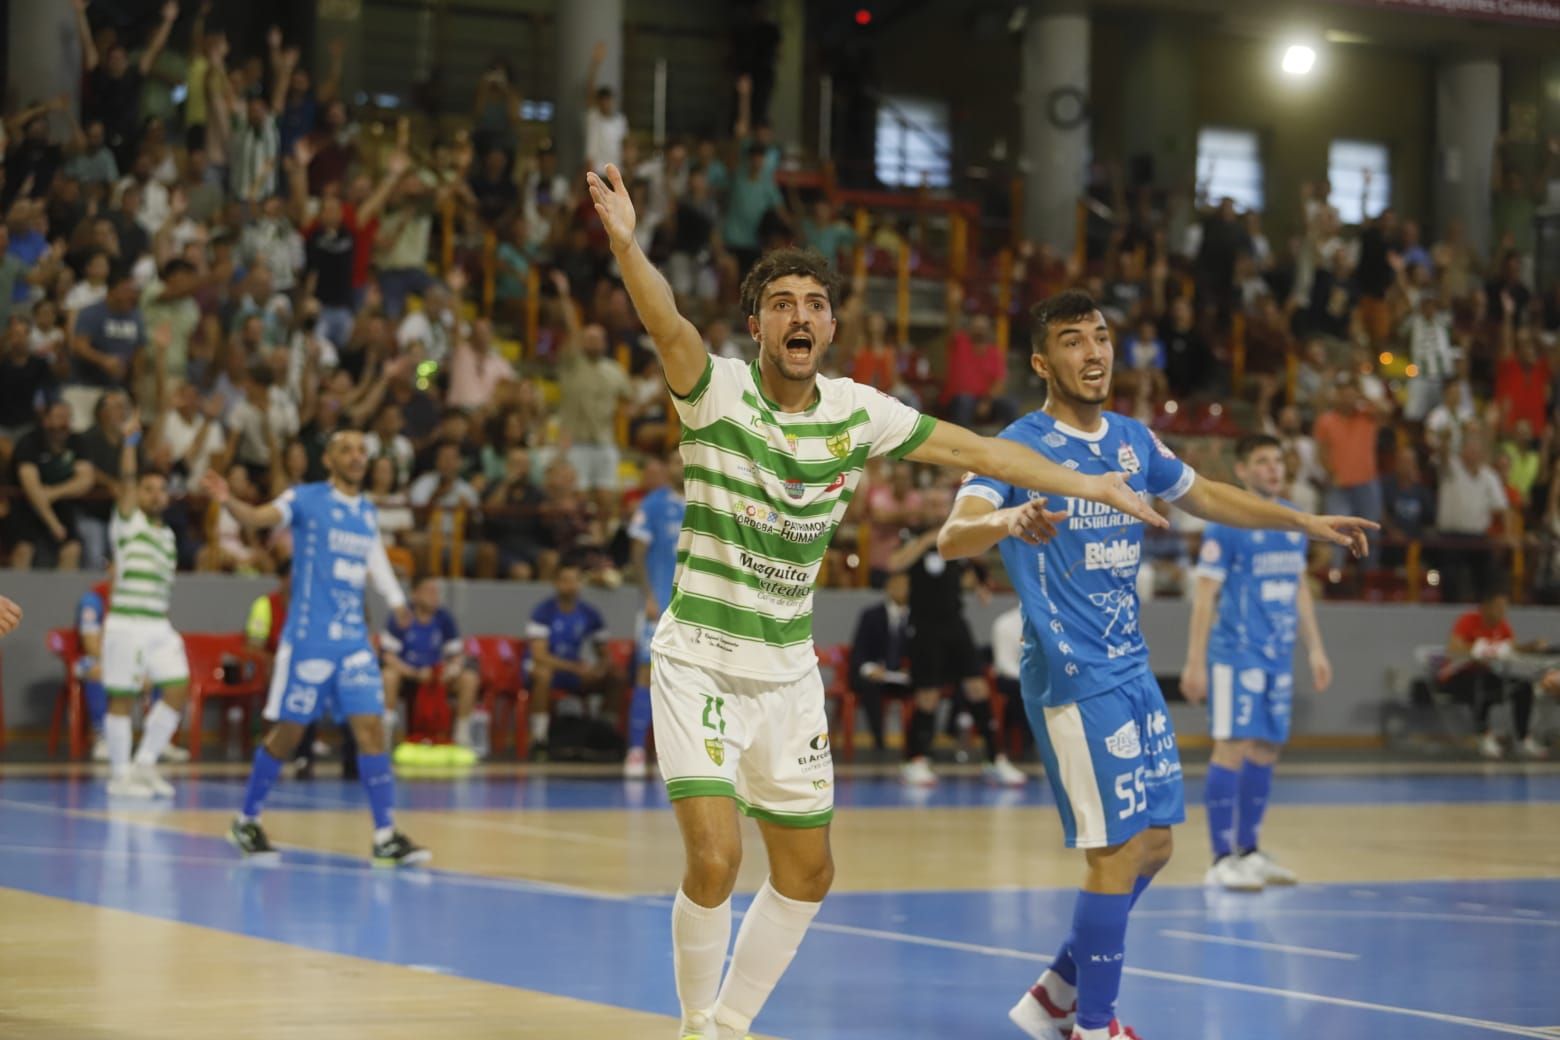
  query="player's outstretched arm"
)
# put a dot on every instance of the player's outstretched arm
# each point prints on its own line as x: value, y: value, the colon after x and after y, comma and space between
x: 975, y: 525
x: 128, y: 500
x: 10, y: 616
x: 683, y: 357
x: 1222, y: 503
x: 252, y: 517
x: 1012, y: 463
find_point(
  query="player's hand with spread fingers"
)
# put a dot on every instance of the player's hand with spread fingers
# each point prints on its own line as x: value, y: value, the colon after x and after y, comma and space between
x: 1351, y: 532
x: 1033, y: 523
x: 1114, y: 491
x: 10, y: 616
x: 614, y: 206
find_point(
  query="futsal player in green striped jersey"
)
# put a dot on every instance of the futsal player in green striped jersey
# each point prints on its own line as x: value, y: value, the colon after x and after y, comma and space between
x: 772, y: 455
x: 139, y: 643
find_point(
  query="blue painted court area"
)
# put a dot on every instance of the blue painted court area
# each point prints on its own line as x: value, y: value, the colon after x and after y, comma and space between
x: 479, y: 792
x: 1403, y: 961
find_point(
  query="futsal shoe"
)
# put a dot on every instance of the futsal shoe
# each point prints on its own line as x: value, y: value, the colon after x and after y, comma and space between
x: 635, y: 766
x: 918, y: 773
x: 248, y: 837
x: 174, y: 753
x: 1530, y: 748
x: 1041, y: 1019
x: 1490, y: 746
x: 1004, y: 773
x: 100, y: 749
x: 1263, y: 866
x: 399, y: 851
x: 156, y: 784
x: 1231, y: 874
x: 129, y: 784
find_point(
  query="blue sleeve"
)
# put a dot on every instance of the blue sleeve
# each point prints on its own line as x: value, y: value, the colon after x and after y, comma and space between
x: 541, y: 621
x: 447, y: 626
x: 1168, y: 477
x: 596, y: 625
x: 89, y: 323
x: 1220, y: 550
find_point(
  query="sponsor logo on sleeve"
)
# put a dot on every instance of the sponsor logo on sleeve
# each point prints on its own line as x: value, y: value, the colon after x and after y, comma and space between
x: 1159, y: 446
x: 1210, y: 551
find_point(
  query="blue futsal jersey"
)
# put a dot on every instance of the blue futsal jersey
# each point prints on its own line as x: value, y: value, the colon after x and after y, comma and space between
x: 658, y: 523
x: 423, y: 644
x: 324, y: 661
x: 1079, y: 591
x: 1258, y: 607
x: 334, y: 536
x: 1098, y: 716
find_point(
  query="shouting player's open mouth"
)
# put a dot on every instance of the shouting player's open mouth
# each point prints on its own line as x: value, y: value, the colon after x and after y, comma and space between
x: 798, y: 346
x: 1094, y: 375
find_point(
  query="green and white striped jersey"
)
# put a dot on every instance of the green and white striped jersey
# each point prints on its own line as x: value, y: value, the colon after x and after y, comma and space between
x: 765, y: 491
x: 145, y: 558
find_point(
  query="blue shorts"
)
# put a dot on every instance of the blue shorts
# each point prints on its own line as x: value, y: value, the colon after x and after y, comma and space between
x: 310, y: 679
x: 1112, y: 763
x: 1249, y: 701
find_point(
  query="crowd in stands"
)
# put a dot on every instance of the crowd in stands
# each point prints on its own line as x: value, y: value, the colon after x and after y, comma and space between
x: 262, y: 265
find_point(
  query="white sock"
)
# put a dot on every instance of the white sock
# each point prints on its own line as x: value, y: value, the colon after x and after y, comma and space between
x: 117, y: 729
x: 463, y: 732
x: 771, y: 931
x: 700, y: 935
x: 383, y: 834
x: 539, y: 727
x: 162, y: 722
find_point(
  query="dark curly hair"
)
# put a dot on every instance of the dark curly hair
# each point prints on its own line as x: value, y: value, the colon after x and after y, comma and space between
x: 1062, y: 309
x: 804, y: 263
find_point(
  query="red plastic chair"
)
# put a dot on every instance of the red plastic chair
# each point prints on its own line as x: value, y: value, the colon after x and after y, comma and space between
x: 208, y: 653
x: 70, y: 706
x: 835, y: 660
x: 430, y: 721
x: 500, y: 664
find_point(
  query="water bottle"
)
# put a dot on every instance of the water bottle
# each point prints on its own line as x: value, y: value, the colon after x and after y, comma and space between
x: 480, y: 730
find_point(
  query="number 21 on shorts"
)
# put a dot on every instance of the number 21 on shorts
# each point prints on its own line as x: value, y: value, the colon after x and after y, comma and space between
x: 714, y: 706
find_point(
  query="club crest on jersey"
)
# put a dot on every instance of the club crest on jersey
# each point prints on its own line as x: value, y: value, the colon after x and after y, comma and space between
x: 838, y: 444
x: 1127, y: 459
x: 795, y: 488
x: 792, y: 442
x: 1054, y: 440
x: 716, y: 749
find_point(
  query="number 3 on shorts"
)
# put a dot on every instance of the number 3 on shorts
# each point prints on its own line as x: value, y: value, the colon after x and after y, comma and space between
x: 715, y: 704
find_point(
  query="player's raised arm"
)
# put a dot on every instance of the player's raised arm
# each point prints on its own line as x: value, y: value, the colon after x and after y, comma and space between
x: 1222, y: 503
x: 128, y: 500
x: 681, y: 349
x: 1012, y: 463
x: 975, y: 525
x: 252, y: 517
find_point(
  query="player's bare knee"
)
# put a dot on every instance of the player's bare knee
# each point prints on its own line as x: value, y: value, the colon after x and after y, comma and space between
x: 1228, y: 753
x: 1157, y: 846
x: 806, y: 882
x: 712, y: 871
x: 175, y: 696
x: 283, y: 740
x: 1262, y: 752
x: 369, y: 731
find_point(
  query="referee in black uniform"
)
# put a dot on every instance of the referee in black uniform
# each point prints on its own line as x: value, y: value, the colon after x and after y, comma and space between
x: 943, y: 652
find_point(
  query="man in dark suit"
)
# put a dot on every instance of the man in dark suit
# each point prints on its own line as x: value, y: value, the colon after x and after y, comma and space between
x: 879, y: 652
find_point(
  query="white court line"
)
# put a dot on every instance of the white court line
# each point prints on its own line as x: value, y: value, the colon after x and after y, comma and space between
x: 1191, y: 980
x: 1225, y: 940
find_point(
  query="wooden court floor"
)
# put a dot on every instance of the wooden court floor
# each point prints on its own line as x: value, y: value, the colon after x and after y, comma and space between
x: 547, y: 912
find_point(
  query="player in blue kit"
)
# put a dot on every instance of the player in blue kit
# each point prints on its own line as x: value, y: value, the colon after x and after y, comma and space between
x: 654, y: 529
x: 1242, y: 653
x: 1099, y: 719
x: 324, y: 661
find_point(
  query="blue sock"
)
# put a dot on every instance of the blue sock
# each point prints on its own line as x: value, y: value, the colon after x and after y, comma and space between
x: 639, y: 717
x: 1064, y: 966
x: 1099, y: 947
x: 262, y: 777
x: 1219, y: 792
x: 1255, y: 783
x: 379, y: 782
x: 96, y: 697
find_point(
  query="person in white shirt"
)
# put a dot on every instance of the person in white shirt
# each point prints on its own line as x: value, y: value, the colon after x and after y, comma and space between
x: 266, y: 417
x: 605, y: 126
x: 1471, y: 498
x: 1429, y: 331
x: 433, y: 327
x: 192, y: 431
x: 1445, y: 421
